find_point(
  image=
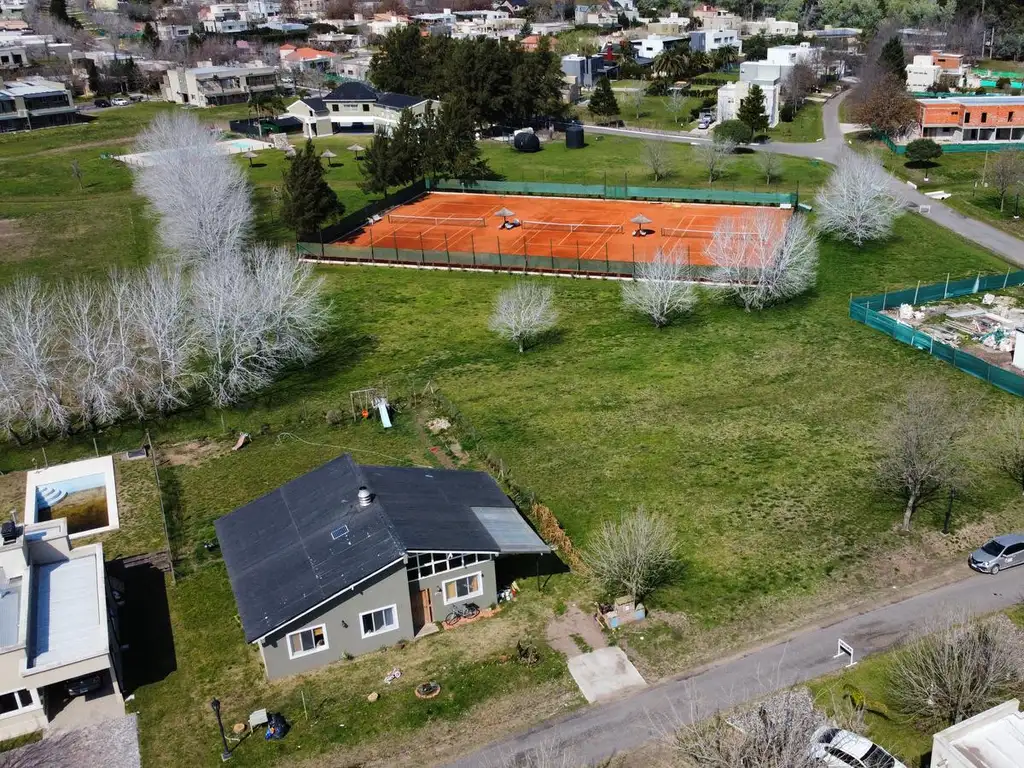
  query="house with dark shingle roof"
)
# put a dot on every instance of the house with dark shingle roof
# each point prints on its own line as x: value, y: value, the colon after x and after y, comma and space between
x: 349, y: 558
x: 354, y: 107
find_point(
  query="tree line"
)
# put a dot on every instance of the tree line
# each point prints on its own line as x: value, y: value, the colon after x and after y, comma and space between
x: 495, y: 82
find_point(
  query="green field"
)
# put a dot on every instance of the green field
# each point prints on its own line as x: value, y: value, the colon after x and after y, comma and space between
x: 807, y: 125
x: 752, y: 432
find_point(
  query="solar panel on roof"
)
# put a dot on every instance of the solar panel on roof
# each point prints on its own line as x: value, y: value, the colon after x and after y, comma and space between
x: 337, y: 533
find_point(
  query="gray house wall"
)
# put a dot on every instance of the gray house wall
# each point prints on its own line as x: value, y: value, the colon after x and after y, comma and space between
x: 389, y: 588
x: 433, y: 583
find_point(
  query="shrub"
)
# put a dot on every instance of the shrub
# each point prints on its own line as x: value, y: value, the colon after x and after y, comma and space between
x: 787, y: 112
x: 923, y: 150
x: 734, y: 130
x: 658, y: 87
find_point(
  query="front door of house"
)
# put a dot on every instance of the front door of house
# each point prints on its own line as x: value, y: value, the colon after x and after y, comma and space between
x: 422, y: 610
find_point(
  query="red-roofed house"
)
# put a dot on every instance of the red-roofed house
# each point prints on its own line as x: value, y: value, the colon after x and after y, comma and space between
x: 304, y: 59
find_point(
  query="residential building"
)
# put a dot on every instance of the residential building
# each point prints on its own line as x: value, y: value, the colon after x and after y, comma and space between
x: 771, y: 26
x: 587, y: 70
x: 384, y: 23
x: 596, y: 15
x: 35, y: 102
x: 311, y: 9
x: 354, y: 67
x: 353, y: 107
x: 968, y: 119
x: 264, y: 10
x: 922, y: 73
x: 215, y: 85
x: 731, y: 94
x: 708, y: 41
x: 672, y: 25
x: 713, y: 19
x: 305, y: 59
x: 11, y: 9
x: 58, y: 623
x: 992, y: 739
x: 225, y: 18
x: 649, y: 47
x: 166, y: 31
x: 351, y: 558
x: 22, y: 49
x: 512, y: 6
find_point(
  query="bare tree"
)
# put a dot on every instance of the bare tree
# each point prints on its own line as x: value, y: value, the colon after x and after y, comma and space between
x: 634, y: 555
x: 799, y: 83
x: 763, y: 260
x: 201, y: 195
x: 656, y: 156
x: 255, y: 313
x: 715, y: 156
x: 676, y: 104
x: 775, y: 734
x: 857, y: 202
x: 634, y: 100
x: 770, y: 163
x: 31, y: 361
x: 1007, y: 445
x: 523, y: 312
x: 162, y: 312
x: 1007, y: 172
x: 662, y: 289
x: 922, y: 449
x: 956, y: 668
x: 884, y: 104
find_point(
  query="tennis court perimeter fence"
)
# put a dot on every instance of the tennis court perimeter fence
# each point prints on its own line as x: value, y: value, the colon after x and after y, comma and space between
x: 868, y: 310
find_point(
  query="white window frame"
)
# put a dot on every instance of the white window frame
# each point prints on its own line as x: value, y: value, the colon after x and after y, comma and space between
x: 458, y: 599
x: 33, y: 694
x: 394, y: 613
x: 315, y: 649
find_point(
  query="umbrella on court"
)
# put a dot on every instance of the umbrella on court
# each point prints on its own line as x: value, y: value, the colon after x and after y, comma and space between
x: 504, y: 213
x: 640, y: 220
x: 357, y: 149
x: 250, y: 156
x: 329, y: 155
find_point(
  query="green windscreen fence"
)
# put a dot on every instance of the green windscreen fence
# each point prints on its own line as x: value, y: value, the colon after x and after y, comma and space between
x: 868, y: 310
x: 615, y: 189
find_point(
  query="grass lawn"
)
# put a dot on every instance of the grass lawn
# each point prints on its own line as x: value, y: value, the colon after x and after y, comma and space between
x: 752, y: 432
x: 807, y: 125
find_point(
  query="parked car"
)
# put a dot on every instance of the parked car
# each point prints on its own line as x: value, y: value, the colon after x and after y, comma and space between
x: 998, y: 553
x: 83, y: 685
x: 704, y: 123
x: 102, y: 103
x: 837, y: 748
x: 120, y: 101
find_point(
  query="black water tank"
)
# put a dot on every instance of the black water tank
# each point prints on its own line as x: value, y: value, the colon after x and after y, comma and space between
x: 574, y: 137
x: 526, y: 142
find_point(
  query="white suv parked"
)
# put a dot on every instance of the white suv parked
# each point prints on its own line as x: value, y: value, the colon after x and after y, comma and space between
x: 837, y: 748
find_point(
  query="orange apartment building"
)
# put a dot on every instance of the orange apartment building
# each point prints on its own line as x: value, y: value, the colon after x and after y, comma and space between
x: 971, y: 119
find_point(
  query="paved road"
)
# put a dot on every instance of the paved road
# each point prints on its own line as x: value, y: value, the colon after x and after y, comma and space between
x: 602, y: 730
x: 829, y: 149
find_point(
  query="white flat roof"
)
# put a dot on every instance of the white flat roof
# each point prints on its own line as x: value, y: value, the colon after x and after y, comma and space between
x: 999, y: 744
x: 30, y: 87
x: 68, y: 611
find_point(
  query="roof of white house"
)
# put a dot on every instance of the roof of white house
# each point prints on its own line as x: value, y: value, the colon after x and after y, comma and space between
x: 10, y: 608
x: 993, y: 739
x: 977, y: 101
x: 30, y: 86
x: 69, y: 621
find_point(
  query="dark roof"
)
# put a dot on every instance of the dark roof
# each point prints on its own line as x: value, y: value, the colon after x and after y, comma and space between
x: 289, y: 551
x: 316, y: 104
x: 287, y: 121
x: 398, y: 100
x: 352, y: 91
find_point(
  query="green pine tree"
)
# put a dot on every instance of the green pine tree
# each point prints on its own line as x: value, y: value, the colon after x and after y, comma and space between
x: 892, y: 59
x: 602, y: 101
x: 150, y: 36
x: 377, y: 166
x: 751, y: 112
x: 406, y: 150
x: 307, y: 201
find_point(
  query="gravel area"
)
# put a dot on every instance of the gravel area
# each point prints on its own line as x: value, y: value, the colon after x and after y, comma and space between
x: 112, y: 744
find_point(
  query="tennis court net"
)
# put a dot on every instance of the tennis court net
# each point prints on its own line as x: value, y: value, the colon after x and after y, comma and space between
x: 450, y: 221
x: 558, y: 226
x: 677, y: 232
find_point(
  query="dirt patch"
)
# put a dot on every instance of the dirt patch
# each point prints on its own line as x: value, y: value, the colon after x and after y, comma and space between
x: 439, y: 454
x: 15, y: 241
x: 84, y: 145
x: 560, y: 632
x: 192, y: 453
x: 12, y: 494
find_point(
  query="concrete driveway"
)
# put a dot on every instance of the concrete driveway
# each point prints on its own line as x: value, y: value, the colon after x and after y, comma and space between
x: 604, y: 674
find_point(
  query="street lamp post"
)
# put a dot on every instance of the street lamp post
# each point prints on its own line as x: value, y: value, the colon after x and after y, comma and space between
x: 226, y: 754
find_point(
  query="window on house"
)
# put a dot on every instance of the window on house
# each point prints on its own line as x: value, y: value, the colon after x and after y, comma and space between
x: 307, y: 641
x: 984, y: 117
x: 379, y: 621
x: 1009, y: 117
x: 334, y: 107
x: 463, y: 588
x: 15, y: 701
x: 366, y: 107
x: 967, y: 117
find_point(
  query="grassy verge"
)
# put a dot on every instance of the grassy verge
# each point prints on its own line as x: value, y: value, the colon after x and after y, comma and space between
x: 807, y: 125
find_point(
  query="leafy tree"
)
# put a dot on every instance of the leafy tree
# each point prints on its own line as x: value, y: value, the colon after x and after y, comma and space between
x: 405, y: 150
x: 787, y: 112
x: 724, y: 57
x: 673, y: 63
x: 751, y: 111
x: 923, y: 151
x: 602, y: 101
x: 307, y: 199
x: 399, y: 64
x: 149, y: 36
x: 892, y: 60
x: 735, y: 131
x: 756, y: 48
x: 377, y: 166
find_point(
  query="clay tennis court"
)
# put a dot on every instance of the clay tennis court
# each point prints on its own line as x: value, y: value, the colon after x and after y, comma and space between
x: 555, y: 227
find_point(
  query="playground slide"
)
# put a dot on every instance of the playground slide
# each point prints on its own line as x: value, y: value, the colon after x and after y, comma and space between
x: 382, y: 409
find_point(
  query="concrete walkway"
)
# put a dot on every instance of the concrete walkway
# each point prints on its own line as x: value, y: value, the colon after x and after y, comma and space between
x: 829, y: 150
x: 602, y: 730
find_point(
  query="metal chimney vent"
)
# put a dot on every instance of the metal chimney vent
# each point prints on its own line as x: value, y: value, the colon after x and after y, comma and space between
x: 365, y: 497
